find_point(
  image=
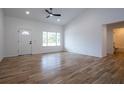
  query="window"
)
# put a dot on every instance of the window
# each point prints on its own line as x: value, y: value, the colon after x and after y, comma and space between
x: 51, y: 39
x: 25, y: 33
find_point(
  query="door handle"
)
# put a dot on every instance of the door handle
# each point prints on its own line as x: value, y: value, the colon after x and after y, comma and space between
x: 30, y: 42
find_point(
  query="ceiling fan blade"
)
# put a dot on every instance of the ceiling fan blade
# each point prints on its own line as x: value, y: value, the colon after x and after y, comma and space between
x: 48, y: 16
x: 47, y: 11
x: 57, y: 14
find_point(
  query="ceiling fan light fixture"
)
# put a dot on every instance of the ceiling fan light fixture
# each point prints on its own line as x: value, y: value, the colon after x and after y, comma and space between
x: 58, y: 20
x: 51, y: 15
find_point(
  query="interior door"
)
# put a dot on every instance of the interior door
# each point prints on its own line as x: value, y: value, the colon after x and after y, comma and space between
x: 25, y: 42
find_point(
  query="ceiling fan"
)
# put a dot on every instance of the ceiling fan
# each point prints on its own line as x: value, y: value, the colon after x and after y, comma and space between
x: 50, y: 13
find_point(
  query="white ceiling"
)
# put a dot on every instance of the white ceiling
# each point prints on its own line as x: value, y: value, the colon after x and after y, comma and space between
x: 38, y: 14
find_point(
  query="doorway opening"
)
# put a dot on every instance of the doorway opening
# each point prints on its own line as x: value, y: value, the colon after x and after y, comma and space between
x: 118, y: 40
x: 115, y: 38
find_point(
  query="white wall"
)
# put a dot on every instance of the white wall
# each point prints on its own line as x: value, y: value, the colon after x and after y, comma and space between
x: 110, y: 48
x: 12, y: 25
x: 86, y: 35
x: 1, y: 34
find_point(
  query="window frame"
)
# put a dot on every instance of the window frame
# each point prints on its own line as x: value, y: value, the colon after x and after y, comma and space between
x: 57, y: 45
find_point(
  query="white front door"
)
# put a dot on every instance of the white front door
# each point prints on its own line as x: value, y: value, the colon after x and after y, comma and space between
x: 25, y: 42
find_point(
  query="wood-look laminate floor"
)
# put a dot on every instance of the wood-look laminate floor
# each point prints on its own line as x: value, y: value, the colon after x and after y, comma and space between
x: 64, y: 68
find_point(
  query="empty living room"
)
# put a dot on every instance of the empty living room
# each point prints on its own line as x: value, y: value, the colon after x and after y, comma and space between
x: 61, y: 46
